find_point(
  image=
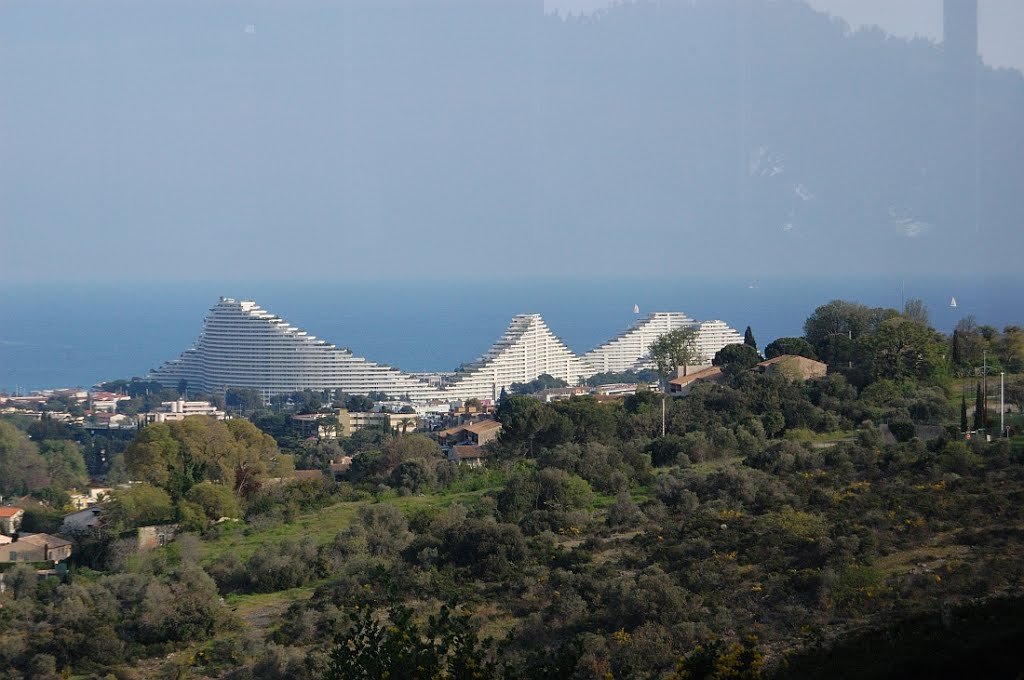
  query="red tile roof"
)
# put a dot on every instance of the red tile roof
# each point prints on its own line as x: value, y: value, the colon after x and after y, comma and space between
x: 9, y: 512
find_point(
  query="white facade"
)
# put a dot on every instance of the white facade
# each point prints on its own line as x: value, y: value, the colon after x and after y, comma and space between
x: 180, y: 409
x: 527, y: 350
x: 245, y: 346
x: 630, y: 350
x: 713, y: 336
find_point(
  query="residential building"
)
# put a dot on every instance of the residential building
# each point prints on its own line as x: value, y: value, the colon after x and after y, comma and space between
x: 333, y: 425
x: 243, y: 345
x: 35, y: 548
x: 560, y: 393
x: 155, y: 535
x: 106, y: 402
x: 337, y: 469
x: 630, y: 350
x: 10, y: 519
x: 476, y: 433
x: 81, y: 520
x: 683, y: 384
x: 394, y: 422
x: 89, y: 497
x: 527, y: 350
x: 170, y: 411
x: 468, y: 454
x: 712, y: 336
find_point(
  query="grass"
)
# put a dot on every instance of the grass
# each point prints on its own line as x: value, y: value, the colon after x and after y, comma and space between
x: 811, y: 437
x: 321, y: 525
x: 260, y: 609
x: 709, y: 466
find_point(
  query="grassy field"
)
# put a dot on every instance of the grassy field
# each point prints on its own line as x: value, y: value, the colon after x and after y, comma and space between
x: 321, y: 525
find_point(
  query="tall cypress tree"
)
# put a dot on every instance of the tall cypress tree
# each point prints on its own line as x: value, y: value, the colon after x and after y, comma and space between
x: 979, y: 410
x: 963, y: 413
x: 748, y: 338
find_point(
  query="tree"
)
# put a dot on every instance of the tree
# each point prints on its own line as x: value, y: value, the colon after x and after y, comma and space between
x: 357, y: 403
x: 674, y: 349
x: 1010, y: 349
x: 792, y: 346
x: 544, y: 381
x: 963, y: 413
x: 216, y: 500
x: 138, y: 505
x: 447, y: 646
x: 915, y: 310
x: 526, y: 422
x: 22, y: 469
x: 177, y: 456
x: 967, y: 344
x: 736, y: 358
x: 748, y: 338
x: 833, y: 328
x: 64, y: 463
x: 243, y: 399
x: 979, y: 409
x: 900, y: 349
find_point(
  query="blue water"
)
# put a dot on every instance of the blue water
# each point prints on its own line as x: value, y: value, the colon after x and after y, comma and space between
x: 61, y: 335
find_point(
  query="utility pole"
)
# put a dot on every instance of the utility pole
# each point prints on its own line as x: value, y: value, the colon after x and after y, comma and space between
x: 1002, y: 403
x: 984, y: 389
x: 663, y: 414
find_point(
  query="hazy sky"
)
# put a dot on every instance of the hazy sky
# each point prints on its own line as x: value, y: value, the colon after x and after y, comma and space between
x: 1000, y: 22
x: 311, y: 140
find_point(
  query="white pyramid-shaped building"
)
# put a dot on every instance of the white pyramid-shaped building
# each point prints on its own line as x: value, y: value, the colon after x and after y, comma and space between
x: 244, y: 346
x: 630, y: 350
x: 527, y: 350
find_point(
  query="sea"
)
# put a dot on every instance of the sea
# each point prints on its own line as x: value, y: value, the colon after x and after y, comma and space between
x: 79, y: 334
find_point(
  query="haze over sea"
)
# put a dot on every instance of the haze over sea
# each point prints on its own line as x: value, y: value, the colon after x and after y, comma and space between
x: 57, y: 335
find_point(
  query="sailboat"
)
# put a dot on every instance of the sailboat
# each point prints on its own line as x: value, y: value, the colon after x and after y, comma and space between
x: 636, y: 309
x: 952, y: 302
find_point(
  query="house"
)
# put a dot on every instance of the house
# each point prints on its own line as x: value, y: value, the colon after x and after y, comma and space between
x: 338, y: 469
x: 106, y: 402
x: 81, y: 520
x: 394, y: 422
x: 10, y: 519
x: 685, y: 381
x: 620, y: 389
x: 560, y: 393
x: 324, y: 425
x: 113, y: 421
x: 156, y: 535
x: 794, y: 367
x: 35, y: 548
x: 470, y: 455
x: 170, y: 411
x: 90, y: 497
x: 477, y: 433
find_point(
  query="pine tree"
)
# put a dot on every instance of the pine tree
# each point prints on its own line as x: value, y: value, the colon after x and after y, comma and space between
x: 979, y: 410
x: 748, y: 338
x: 963, y: 413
